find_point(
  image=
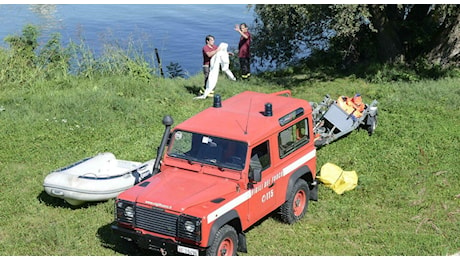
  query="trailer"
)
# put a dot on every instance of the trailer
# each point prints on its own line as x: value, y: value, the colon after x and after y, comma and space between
x: 334, y: 119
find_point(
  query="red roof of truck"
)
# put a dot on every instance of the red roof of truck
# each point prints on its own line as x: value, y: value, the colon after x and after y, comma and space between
x: 242, y: 118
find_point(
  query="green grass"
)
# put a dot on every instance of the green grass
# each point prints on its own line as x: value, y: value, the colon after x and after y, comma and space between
x: 407, y: 201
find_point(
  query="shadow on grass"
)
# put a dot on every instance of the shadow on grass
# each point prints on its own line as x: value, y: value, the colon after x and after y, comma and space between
x: 272, y: 215
x: 50, y: 201
x: 193, y: 90
x: 112, y: 241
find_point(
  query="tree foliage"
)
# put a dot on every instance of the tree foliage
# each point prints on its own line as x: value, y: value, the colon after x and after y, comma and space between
x: 358, y: 33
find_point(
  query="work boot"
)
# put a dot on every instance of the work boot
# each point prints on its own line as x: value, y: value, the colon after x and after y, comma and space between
x: 246, y: 76
x: 211, y: 94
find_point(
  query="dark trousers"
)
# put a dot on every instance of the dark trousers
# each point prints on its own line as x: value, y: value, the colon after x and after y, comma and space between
x: 206, y: 74
x: 244, y: 65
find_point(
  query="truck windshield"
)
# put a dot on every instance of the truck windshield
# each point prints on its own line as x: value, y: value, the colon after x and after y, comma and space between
x: 221, y: 152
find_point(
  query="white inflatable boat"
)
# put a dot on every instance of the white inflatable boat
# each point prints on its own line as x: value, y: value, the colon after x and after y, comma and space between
x: 97, y: 178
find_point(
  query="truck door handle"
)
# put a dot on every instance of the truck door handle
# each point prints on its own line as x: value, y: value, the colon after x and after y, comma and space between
x: 271, y: 185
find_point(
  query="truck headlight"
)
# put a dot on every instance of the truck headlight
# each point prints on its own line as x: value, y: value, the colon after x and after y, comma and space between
x: 189, y: 228
x: 129, y: 212
x: 124, y: 211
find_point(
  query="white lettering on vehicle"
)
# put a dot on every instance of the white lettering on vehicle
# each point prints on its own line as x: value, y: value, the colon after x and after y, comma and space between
x: 267, y: 196
x: 157, y: 204
x: 277, y: 176
x: 256, y: 189
x: 248, y: 194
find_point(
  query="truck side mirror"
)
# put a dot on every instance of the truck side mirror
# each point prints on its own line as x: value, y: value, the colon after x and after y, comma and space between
x: 255, y: 169
x: 255, y: 174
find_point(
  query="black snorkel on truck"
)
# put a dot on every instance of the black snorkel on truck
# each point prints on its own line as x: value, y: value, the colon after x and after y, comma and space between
x: 167, y: 122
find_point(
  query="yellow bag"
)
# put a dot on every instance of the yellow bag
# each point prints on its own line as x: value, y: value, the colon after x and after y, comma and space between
x: 332, y: 176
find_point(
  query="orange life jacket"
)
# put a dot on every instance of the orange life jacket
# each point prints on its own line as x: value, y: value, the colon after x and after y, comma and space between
x: 353, y: 106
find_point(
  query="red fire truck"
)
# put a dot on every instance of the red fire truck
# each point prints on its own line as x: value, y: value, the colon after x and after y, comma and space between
x: 219, y: 172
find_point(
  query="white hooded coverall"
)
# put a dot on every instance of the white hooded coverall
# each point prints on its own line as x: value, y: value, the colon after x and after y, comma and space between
x: 220, y: 59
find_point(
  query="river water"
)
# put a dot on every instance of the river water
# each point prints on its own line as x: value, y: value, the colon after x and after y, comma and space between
x: 178, y: 31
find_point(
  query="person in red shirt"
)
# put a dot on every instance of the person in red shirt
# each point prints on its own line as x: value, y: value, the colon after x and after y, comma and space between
x: 243, y: 49
x: 208, y: 51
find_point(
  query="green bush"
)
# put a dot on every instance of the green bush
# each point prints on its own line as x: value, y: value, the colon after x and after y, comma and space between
x: 26, y: 61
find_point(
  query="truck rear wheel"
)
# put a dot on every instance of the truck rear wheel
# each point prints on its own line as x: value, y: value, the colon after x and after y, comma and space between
x: 297, y: 204
x: 225, y: 242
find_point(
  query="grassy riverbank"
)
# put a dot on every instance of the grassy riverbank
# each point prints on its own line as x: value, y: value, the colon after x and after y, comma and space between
x: 407, y: 201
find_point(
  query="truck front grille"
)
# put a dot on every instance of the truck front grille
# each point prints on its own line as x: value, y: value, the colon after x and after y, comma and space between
x: 156, y: 220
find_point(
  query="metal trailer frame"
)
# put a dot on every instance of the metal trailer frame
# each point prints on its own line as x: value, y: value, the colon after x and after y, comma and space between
x: 331, y: 122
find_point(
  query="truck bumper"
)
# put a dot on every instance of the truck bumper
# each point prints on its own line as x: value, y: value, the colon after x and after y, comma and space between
x: 164, y: 246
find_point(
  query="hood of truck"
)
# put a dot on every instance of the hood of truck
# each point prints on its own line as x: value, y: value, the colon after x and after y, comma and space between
x: 178, y: 190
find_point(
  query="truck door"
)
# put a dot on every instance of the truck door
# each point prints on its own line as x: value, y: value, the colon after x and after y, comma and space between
x: 262, y: 198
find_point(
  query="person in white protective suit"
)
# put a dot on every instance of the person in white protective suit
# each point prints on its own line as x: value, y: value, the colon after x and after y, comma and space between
x: 219, y: 60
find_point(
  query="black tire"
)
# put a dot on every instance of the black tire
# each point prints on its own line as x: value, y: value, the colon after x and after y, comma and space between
x: 320, y: 142
x: 225, y: 242
x: 297, y: 204
x: 372, y: 125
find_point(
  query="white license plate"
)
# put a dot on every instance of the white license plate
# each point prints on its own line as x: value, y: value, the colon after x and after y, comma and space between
x: 187, y: 250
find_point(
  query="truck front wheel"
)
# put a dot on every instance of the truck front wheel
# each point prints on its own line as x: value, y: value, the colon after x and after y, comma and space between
x: 297, y: 204
x: 225, y: 242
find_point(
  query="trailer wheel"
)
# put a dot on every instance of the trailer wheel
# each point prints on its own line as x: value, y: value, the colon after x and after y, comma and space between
x: 225, y: 242
x: 297, y: 204
x: 372, y: 125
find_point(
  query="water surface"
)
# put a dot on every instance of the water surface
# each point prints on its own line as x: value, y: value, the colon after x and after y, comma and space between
x: 177, y: 31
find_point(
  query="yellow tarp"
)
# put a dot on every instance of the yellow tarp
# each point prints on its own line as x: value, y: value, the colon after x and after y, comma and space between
x: 332, y: 176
